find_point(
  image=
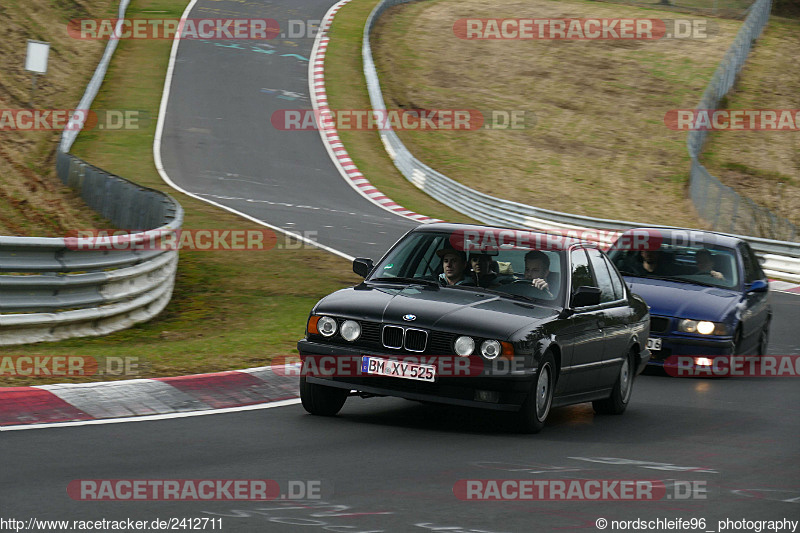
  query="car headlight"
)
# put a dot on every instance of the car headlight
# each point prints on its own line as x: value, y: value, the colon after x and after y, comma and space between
x: 490, y: 349
x: 326, y: 326
x: 351, y: 330
x: 703, y: 327
x: 464, y: 346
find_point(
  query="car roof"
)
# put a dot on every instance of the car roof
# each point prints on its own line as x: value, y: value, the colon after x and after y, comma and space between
x: 721, y: 239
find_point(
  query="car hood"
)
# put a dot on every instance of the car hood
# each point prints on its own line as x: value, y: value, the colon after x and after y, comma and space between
x: 684, y: 300
x: 481, y: 314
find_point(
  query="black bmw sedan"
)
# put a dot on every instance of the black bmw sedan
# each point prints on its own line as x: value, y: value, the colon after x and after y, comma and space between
x: 478, y: 316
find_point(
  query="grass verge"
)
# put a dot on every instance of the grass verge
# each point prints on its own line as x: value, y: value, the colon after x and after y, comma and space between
x: 230, y: 310
x: 33, y: 201
x: 597, y: 144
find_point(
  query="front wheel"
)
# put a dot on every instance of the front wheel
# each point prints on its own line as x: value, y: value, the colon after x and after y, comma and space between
x: 321, y: 400
x: 621, y: 393
x: 533, y: 413
x: 763, y: 340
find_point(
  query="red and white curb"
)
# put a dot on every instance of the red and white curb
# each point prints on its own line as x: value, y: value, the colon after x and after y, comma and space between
x: 784, y: 286
x: 49, y: 404
x: 330, y: 136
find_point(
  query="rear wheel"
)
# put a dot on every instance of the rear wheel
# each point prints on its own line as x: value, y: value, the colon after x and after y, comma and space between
x: 321, y: 400
x: 533, y: 413
x: 621, y: 393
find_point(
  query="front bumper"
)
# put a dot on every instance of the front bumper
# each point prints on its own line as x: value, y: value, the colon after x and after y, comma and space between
x: 673, y: 346
x: 506, y: 391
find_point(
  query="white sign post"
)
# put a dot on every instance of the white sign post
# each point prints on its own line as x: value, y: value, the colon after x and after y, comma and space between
x: 36, y: 61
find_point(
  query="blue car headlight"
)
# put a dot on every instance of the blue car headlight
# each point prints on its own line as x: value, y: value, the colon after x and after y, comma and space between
x: 703, y: 327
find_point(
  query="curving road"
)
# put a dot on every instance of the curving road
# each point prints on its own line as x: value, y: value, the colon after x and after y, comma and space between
x: 387, y: 464
x: 219, y: 143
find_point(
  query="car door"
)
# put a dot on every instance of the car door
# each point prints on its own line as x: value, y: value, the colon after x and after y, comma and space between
x: 584, y: 331
x: 616, y: 315
x: 756, y: 308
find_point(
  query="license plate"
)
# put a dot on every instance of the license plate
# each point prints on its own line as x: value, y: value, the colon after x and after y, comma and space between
x: 397, y: 369
x: 653, y: 343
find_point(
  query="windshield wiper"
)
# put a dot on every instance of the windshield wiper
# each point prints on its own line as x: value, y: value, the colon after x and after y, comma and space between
x: 414, y: 281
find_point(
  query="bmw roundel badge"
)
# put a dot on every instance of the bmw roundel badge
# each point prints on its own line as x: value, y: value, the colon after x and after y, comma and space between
x: 409, y: 318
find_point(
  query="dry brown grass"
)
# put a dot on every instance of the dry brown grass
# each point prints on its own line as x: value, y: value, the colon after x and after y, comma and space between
x: 33, y: 201
x: 764, y: 165
x: 599, y: 146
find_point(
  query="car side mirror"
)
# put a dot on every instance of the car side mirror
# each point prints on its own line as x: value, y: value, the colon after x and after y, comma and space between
x: 362, y: 266
x: 758, y: 285
x: 585, y: 296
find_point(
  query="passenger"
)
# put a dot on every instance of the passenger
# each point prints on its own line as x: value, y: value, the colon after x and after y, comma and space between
x: 482, y: 270
x: 454, y: 264
x: 705, y: 264
x: 537, y: 269
x: 652, y: 262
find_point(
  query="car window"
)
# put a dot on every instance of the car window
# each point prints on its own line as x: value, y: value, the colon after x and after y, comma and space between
x: 750, y: 269
x: 702, y: 263
x: 758, y: 271
x: 581, y: 275
x: 419, y: 256
x: 616, y: 279
x: 428, y: 263
x: 602, y: 276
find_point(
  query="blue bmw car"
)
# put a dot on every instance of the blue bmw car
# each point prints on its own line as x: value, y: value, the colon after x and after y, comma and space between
x: 706, y: 291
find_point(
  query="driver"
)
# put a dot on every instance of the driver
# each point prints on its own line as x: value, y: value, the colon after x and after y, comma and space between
x: 704, y: 263
x: 454, y: 264
x: 537, y: 268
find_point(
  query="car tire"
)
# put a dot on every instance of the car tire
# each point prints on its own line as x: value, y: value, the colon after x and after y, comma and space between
x: 533, y: 413
x: 321, y: 400
x: 737, y: 341
x: 763, y: 340
x: 621, y: 393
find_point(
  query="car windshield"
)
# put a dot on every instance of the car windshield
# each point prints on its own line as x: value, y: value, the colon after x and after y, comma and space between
x: 703, y: 264
x: 444, y: 260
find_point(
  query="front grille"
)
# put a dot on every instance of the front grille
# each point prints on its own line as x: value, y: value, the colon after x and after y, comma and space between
x: 370, y: 333
x: 376, y: 336
x: 659, y: 324
x: 441, y: 343
x: 393, y: 337
x: 416, y: 339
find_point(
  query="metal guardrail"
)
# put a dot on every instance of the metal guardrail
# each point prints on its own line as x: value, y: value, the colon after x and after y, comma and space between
x: 57, y: 288
x: 778, y: 256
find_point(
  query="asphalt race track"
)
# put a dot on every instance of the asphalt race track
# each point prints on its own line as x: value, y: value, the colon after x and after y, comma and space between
x: 220, y: 144
x: 724, y: 448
